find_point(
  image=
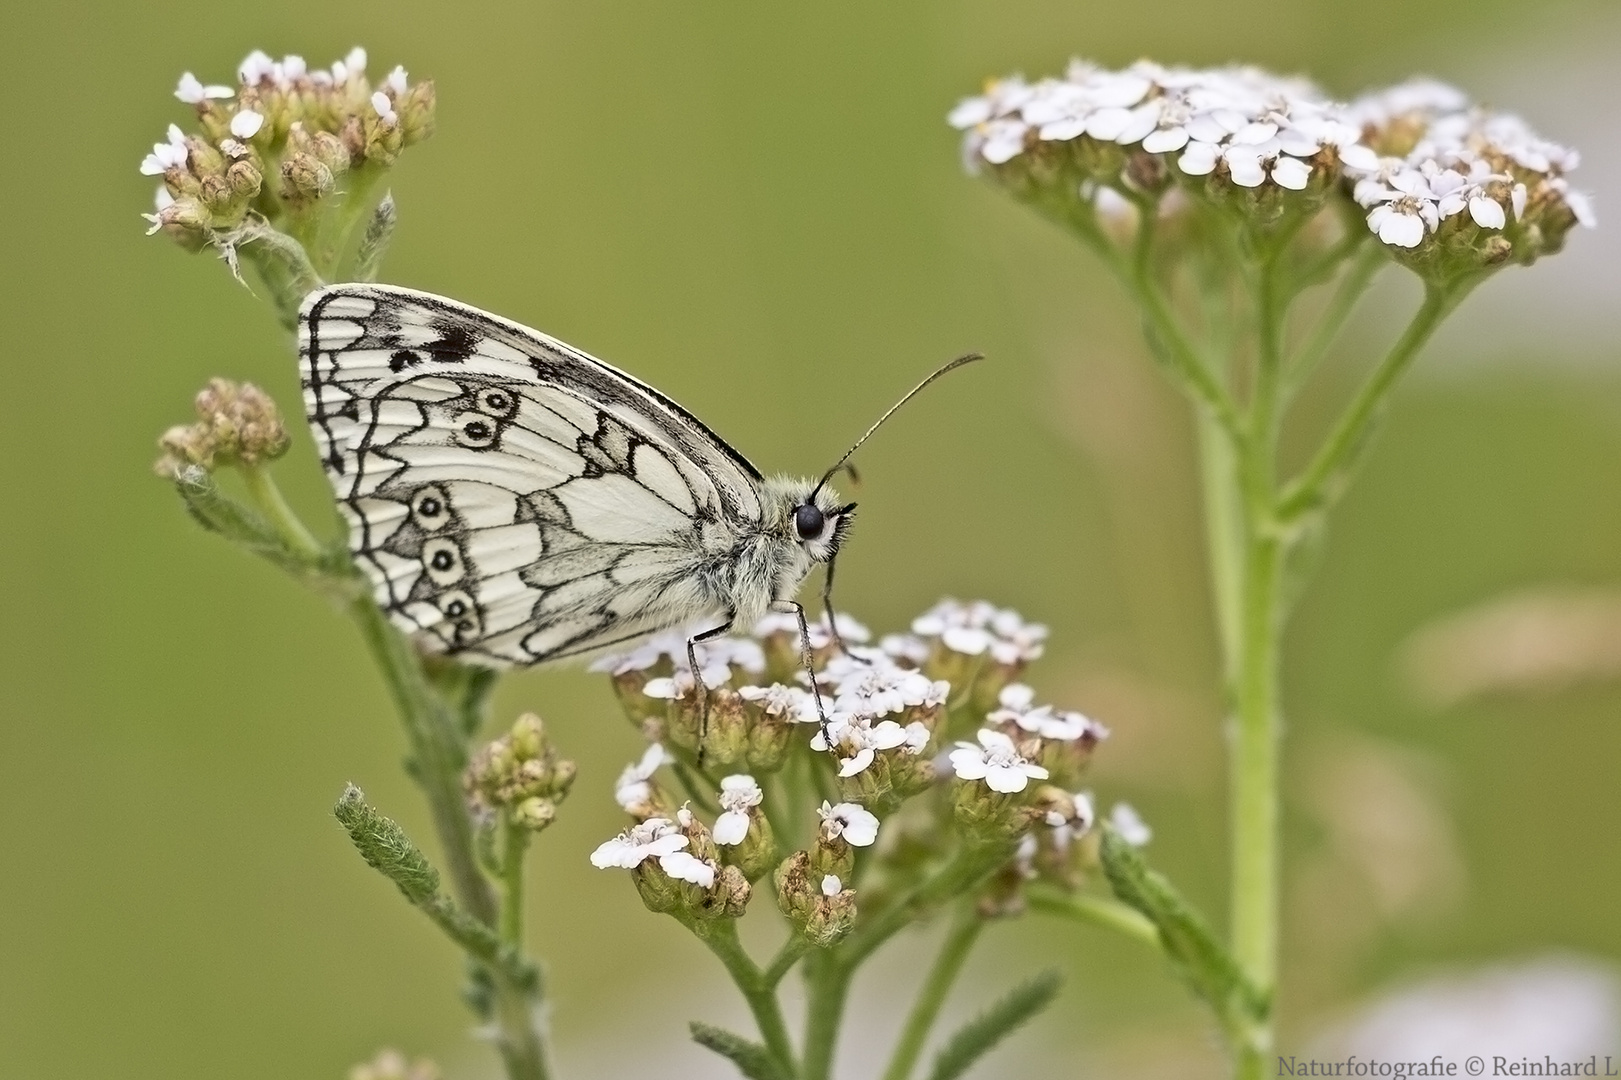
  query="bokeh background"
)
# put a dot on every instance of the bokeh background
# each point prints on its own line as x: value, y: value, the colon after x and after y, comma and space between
x: 759, y: 209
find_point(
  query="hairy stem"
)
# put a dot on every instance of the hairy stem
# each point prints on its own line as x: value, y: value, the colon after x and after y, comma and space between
x: 517, y: 845
x: 827, y: 985
x: 954, y: 950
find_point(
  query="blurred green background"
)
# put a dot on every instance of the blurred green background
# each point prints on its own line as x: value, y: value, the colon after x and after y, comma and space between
x: 759, y: 209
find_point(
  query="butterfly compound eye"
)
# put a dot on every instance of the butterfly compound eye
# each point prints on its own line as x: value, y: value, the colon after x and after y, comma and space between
x: 808, y: 522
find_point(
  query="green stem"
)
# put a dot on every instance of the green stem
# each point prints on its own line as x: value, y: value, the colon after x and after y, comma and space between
x: 1095, y: 911
x: 1254, y: 763
x: 720, y: 935
x: 437, y: 755
x: 828, y: 972
x: 792, y: 950
x: 960, y: 939
x: 268, y: 498
x: 1169, y: 340
x: 1322, y: 478
x: 1350, y: 290
x: 827, y: 985
x: 518, y: 1031
x: 517, y: 845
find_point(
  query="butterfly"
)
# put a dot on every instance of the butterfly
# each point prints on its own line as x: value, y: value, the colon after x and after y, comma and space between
x: 515, y: 501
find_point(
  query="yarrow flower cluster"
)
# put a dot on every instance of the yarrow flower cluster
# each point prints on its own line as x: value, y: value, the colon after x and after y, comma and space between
x: 1413, y: 157
x: 279, y: 141
x: 882, y: 725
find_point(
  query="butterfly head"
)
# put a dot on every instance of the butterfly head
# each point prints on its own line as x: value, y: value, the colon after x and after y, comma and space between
x: 813, y: 517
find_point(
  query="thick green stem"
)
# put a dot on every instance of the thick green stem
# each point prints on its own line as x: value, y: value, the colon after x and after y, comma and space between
x: 960, y: 939
x: 437, y: 755
x: 1095, y: 911
x: 757, y: 988
x: 518, y: 1032
x: 1254, y: 764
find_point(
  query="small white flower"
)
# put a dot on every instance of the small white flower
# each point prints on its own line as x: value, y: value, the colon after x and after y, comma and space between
x: 397, y: 82
x: 857, y: 739
x: 996, y: 761
x: 738, y: 795
x: 632, y: 789
x: 246, y: 124
x: 655, y: 838
x: 355, y: 61
x: 255, y: 68
x: 233, y: 149
x: 1130, y: 825
x: 831, y: 885
x: 193, y: 92
x: 854, y: 822
x: 685, y: 866
x: 1019, y: 709
x: 383, y: 107
x: 166, y: 155
x: 294, y: 67
x: 677, y: 687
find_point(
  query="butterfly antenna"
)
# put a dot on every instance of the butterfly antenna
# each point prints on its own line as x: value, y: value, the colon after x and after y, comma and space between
x: 910, y: 394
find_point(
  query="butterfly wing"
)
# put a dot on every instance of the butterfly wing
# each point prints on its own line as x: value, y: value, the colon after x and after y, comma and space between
x: 512, y: 499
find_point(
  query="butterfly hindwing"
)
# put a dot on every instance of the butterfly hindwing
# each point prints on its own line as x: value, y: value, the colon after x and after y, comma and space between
x: 511, y: 499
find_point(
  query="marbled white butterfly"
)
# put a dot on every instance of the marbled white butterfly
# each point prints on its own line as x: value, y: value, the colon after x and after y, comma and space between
x: 515, y: 501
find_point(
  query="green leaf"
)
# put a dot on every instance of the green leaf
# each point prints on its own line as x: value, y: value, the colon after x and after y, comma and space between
x: 386, y: 848
x: 1198, y: 957
x: 242, y: 525
x: 976, y: 1038
x: 752, y: 1060
x: 374, y: 242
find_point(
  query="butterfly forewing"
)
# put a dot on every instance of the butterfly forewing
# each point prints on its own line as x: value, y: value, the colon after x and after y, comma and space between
x: 512, y: 499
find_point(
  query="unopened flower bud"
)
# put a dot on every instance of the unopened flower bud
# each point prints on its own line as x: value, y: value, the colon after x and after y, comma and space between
x: 534, y: 813
x: 244, y: 179
x: 330, y: 151
x: 816, y: 905
x: 202, y: 157
x: 304, y: 179
x: 416, y: 112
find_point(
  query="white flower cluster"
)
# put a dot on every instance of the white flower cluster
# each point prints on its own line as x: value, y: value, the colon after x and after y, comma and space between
x: 973, y: 629
x: 717, y: 660
x: 866, y: 687
x: 1252, y: 125
x: 1413, y: 155
x: 1462, y: 160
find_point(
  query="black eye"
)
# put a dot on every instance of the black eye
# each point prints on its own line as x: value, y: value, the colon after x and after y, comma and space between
x: 808, y: 522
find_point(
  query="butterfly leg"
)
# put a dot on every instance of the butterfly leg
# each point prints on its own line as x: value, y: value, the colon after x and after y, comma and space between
x: 698, y: 678
x: 810, y: 668
x: 827, y: 609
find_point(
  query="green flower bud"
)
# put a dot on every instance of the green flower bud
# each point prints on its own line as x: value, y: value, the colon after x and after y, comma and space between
x: 244, y: 179
x: 304, y: 179
x: 416, y: 112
